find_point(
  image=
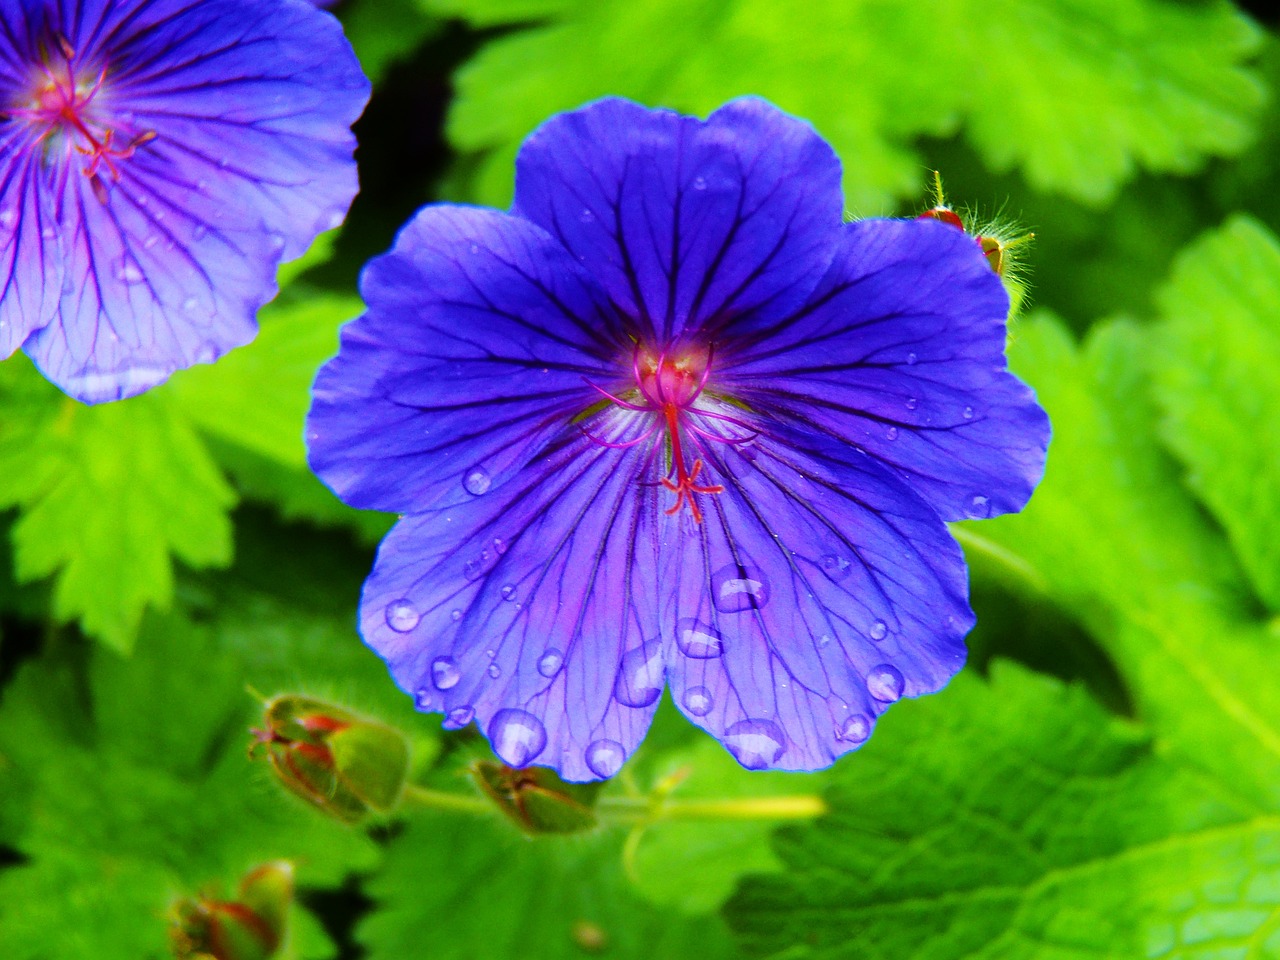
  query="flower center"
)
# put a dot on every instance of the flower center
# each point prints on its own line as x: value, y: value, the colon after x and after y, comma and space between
x: 60, y: 108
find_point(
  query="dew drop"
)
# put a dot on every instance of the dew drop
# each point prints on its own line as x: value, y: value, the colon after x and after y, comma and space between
x: 508, y: 591
x: 549, y: 663
x: 755, y: 744
x: 199, y: 232
x: 978, y: 508
x: 854, y: 730
x: 402, y: 615
x: 699, y: 183
x: 459, y: 717
x: 444, y: 673
x: 476, y: 481
x: 835, y: 567
x: 473, y: 569
x: 739, y: 587
x: 911, y: 359
x: 150, y: 242
x: 640, y: 676
x: 455, y: 615
x: 697, y: 640
x: 223, y: 163
x: 276, y: 240
x: 879, y: 630
x: 885, y: 683
x: 517, y: 736
x: 494, y: 671
x: 824, y: 640
x: 422, y: 699
x: 912, y: 403
x: 892, y: 433
x: 698, y: 701
x: 586, y: 216
x: 127, y: 271
x: 202, y: 185
x: 48, y: 233
x: 605, y: 757
x: 8, y: 218
x: 968, y: 413
x: 475, y: 248
x: 190, y: 305
x: 499, y: 546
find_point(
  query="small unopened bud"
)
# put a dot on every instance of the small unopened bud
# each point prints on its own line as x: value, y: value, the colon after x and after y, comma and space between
x: 343, y: 763
x: 537, y: 799
x: 250, y: 927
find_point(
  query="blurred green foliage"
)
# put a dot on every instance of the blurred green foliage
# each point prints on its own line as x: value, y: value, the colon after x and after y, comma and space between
x: 1116, y: 794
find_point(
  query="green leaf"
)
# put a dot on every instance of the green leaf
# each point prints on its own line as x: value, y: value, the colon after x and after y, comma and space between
x: 137, y: 785
x: 1113, y: 537
x: 1012, y: 820
x: 107, y: 494
x: 466, y: 888
x: 1077, y: 93
x: 715, y: 852
x: 1216, y: 379
x: 384, y: 31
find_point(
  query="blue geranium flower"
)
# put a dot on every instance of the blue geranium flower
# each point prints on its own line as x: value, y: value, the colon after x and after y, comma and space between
x: 671, y: 422
x: 158, y: 158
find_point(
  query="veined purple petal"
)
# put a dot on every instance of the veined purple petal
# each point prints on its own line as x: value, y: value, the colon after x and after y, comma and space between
x: 827, y: 590
x: 31, y: 267
x: 900, y: 351
x: 210, y: 140
x: 524, y: 609
x: 688, y: 224
x: 481, y: 341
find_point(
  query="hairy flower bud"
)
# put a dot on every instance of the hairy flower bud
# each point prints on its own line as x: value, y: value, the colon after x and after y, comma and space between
x: 343, y: 763
x: 537, y: 799
x: 251, y: 927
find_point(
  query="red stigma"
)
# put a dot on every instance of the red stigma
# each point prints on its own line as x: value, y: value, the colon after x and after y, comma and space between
x: 61, y: 103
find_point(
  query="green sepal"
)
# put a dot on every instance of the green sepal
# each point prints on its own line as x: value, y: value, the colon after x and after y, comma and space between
x: 536, y: 799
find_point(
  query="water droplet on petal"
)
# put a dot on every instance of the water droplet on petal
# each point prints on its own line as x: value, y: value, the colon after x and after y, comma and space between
x: 978, y: 508
x: 508, y: 591
x: 444, y: 673
x: 912, y: 403
x: 755, y: 744
x: 697, y: 640
x: 455, y: 615
x: 699, y: 183
x: 739, y: 587
x: 475, y: 248
x: 459, y: 717
x: 879, y: 630
x: 190, y: 304
x: 422, y: 699
x: 641, y: 676
x: 199, y: 232
x: 698, y: 701
x: 854, y: 730
x: 8, y: 218
x: 517, y: 736
x: 892, y: 433
x: 494, y: 671
x: 48, y: 233
x: 605, y: 757
x: 473, y: 569
x: 499, y: 546
x: 586, y: 216
x: 911, y: 359
x: 824, y: 640
x: 835, y: 567
x: 968, y: 413
x: 402, y: 615
x: 549, y: 663
x: 276, y: 240
x: 885, y: 683
x: 476, y: 481
x: 127, y: 271
x: 150, y: 242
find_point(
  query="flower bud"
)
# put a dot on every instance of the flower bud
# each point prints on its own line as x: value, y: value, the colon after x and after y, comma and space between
x: 343, y: 763
x: 251, y: 927
x: 537, y: 799
x: 998, y: 240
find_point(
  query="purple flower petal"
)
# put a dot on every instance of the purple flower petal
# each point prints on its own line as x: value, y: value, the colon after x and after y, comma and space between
x: 30, y: 264
x: 686, y: 223
x: 900, y: 351
x: 531, y: 609
x: 480, y: 340
x: 189, y: 147
x: 818, y: 590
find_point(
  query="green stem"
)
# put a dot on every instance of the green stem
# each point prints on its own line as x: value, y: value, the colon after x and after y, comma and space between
x: 445, y: 800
